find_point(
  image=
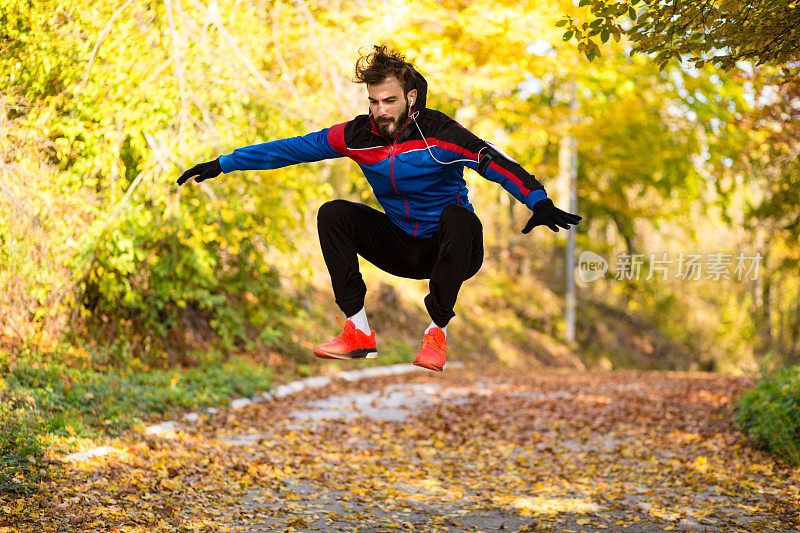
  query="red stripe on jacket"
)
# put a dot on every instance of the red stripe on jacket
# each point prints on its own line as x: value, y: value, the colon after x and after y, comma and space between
x: 494, y: 166
x: 336, y: 139
x: 370, y: 156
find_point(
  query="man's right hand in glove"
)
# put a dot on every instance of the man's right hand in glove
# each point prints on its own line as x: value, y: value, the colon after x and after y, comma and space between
x: 203, y: 171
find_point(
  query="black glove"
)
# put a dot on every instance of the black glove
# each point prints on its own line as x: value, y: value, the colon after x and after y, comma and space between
x: 203, y: 171
x: 547, y: 214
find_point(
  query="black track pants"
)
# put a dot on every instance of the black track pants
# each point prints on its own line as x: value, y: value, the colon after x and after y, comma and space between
x: 450, y: 257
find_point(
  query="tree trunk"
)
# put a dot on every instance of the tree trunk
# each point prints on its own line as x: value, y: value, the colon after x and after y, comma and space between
x: 793, y: 357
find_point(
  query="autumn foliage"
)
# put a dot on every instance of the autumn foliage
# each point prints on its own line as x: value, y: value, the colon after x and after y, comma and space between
x: 114, y: 282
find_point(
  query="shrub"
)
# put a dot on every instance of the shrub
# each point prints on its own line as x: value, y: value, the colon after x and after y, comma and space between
x: 21, y: 449
x: 68, y: 400
x: 166, y: 279
x: 770, y: 412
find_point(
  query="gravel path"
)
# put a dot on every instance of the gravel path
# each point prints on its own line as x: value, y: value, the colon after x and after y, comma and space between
x: 465, y: 450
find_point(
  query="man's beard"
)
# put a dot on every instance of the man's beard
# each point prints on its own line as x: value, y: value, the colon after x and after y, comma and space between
x: 391, y: 129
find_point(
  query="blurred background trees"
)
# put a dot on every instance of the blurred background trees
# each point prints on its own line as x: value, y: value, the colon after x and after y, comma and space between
x: 105, y: 103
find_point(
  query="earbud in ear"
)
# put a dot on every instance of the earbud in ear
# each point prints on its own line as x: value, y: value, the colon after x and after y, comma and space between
x: 410, y: 101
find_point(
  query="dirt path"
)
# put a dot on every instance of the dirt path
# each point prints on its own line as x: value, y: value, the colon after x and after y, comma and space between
x: 464, y: 450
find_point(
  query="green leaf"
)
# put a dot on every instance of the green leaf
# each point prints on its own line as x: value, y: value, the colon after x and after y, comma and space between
x: 584, y: 3
x: 632, y: 13
x: 604, y: 35
x: 561, y: 23
x: 567, y: 35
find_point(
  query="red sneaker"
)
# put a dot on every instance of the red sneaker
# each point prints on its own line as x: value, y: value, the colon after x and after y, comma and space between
x: 434, y: 350
x: 352, y: 343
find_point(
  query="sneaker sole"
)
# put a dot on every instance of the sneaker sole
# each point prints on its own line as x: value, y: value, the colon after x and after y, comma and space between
x: 355, y: 354
x: 429, y: 366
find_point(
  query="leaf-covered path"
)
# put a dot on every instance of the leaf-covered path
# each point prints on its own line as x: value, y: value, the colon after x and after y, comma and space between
x: 466, y: 450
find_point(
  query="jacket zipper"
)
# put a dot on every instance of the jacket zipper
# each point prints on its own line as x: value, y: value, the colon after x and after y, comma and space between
x: 391, y: 176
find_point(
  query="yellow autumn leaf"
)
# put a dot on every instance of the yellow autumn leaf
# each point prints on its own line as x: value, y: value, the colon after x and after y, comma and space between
x: 701, y: 464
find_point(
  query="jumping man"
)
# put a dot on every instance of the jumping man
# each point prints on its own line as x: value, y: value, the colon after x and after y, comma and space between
x: 414, y: 159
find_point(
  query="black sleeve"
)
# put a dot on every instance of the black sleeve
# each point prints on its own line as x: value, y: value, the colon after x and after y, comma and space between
x: 489, y: 161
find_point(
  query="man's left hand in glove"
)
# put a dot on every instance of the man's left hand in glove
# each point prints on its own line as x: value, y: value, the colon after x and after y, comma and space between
x: 203, y: 171
x: 547, y: 214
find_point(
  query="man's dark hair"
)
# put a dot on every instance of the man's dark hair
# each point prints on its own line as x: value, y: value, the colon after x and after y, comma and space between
x: 383, y: 63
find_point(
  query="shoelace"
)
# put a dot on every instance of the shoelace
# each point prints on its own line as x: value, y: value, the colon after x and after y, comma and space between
x: 348, y: 329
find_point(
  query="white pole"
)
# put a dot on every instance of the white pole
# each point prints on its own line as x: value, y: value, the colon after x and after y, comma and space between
x: 573, y: 208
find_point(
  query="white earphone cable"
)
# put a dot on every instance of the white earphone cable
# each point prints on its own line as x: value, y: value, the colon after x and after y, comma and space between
x: 414, y: 118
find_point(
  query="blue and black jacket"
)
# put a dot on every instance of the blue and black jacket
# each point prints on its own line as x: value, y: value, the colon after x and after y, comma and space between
x: 414, y: 178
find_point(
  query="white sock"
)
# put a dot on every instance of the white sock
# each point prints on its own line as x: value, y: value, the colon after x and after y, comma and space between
x: 433, y: 325
x: 360, y: 321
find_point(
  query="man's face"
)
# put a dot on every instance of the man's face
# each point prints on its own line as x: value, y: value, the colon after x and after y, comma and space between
x: 389, y: 107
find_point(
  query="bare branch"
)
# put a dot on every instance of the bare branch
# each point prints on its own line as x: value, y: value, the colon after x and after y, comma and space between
x: 100, y: 40
x: 178, y: 69
x: 213, y: 16
x: 13, y: 199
